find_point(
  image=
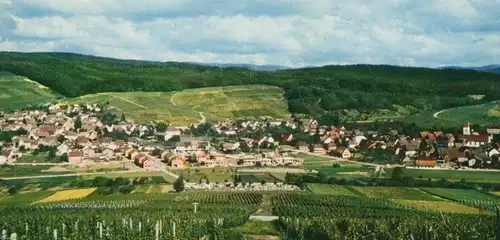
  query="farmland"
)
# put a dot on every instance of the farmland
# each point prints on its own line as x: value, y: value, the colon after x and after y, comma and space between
x: 329, y: 189
x: 461, y: 194
x: 68, y: 195
x: 395, y: 193
x: 438, y: 206
x: 194, y: 105
x: 480, y: 176
x: 18, y: 92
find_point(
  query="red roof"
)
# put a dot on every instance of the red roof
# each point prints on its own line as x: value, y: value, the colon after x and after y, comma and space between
x: 467, y: 124
x: 75, y: 154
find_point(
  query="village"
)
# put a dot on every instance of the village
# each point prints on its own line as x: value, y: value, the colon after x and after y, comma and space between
x: 75, y: 135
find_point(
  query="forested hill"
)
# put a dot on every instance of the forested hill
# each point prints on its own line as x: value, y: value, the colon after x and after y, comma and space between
x: 309, y: 90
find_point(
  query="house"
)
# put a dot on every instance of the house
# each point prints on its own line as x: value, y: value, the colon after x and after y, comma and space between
x: 3, y: 160
x: 229, y: 147
x: 302, y: 146
x: 318, y: 149
x: 287, y: 137
x: 140, y: 158
x: 177, y: 163
x: 88, y: 152
x: 452, y: 154
x: 83, y: 141
x: 108, y: 153
x: 342, y: 152
x: 475, y: 141
x: 75, y: 157
x: 62, y: 149
x: 447, y: 141
x: 149, y: 164
x: 425, y: 162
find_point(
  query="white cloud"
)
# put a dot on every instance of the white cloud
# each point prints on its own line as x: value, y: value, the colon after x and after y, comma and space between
x: 285, y: 32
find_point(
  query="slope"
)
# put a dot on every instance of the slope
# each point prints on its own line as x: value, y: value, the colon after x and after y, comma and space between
x: 320, y: 91
x: 194, y: 105
x: 18, y: 92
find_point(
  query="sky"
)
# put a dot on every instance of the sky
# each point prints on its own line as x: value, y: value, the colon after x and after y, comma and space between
x: 294, y: 33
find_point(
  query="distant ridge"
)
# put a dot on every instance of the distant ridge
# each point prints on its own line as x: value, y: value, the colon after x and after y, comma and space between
x: 254, y: 67
x: 488, y: 68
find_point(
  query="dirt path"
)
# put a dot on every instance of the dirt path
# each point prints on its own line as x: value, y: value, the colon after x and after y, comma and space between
x: 172, y: 99
x: 436, y: 114
x: 203, y: 118
x: 126, y: 100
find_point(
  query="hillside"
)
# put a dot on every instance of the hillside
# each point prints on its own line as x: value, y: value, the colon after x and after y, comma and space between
x: 323, y: 91
x: 488, y: 68
x: 18, y: 92
x: 194, y: 105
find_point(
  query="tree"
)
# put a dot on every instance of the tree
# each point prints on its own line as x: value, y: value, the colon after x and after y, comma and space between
x: 61, y: 138
x: 179, y: 184
x: 123, y: 119
x: 78, y: 123
x: 258, y: 164
x: 397, y: 174
x: 52, y: 153
x: 64, y: 157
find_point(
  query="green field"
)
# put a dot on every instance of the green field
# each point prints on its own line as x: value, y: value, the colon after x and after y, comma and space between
x: 329, y: 189
x: 38, y: 159
x: 461, y: 194
x: 18, y: 171
x: 184, y: 107
x: 18, y: 92
x: 483, y: 114
x: 212, y: 174
x: 479, y: 176
x: 405, y: 193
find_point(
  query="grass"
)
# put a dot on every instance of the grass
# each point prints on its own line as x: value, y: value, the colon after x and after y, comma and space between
x: 213, y: 174
x: 23, y: 198
x: 17, y: 92
x: 438, y: 206
x: 484, y: 114
x: 257, y: 228
x: 68, y: 195
x: 23, y: 171
x: 329, y: 189
x: 461, y: 194
x: 38, y: 159
x: 157, y: 177
x: 153, y: 189
x: 182, y: 108
x: 452, y: 175
x: 405, y: 193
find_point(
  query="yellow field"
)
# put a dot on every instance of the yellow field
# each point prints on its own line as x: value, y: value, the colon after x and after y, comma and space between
x: 496, y: 193
x: 438, y: 206
x: 68, y: 195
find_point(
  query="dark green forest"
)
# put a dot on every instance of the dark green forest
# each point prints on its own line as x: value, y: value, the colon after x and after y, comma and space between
x: 313, y: 91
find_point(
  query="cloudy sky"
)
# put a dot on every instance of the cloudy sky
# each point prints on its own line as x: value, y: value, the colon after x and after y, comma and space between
x: 278, y: 32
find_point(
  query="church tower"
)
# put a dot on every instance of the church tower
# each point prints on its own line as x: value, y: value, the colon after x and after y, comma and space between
x: 466, y: 129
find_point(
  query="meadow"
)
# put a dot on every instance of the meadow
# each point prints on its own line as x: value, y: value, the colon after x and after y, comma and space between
x: 194, y: 105
x: 317, y: 188
x: 461, y: 194
x: 18, y: 92
x: 453, y: 175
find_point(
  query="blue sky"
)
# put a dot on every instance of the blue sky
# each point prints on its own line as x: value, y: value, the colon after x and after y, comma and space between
x: 278, y: 32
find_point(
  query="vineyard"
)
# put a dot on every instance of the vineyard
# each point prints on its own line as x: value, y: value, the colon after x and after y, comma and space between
x: 218, y: 215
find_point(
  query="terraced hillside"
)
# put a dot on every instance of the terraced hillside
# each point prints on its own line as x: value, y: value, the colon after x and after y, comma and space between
x: 194, y: 105
x: 17, y: 92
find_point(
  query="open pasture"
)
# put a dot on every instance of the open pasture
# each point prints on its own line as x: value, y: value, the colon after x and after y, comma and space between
x: 17, y: 92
